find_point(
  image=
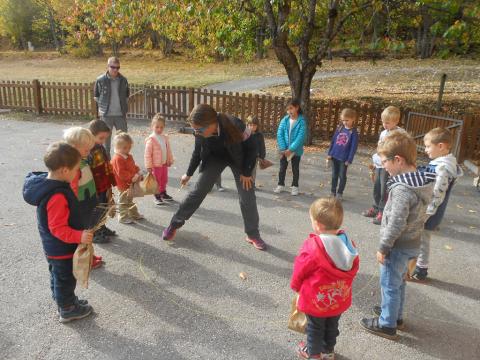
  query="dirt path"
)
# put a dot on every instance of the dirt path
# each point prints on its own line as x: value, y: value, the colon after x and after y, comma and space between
x: 258, y: 83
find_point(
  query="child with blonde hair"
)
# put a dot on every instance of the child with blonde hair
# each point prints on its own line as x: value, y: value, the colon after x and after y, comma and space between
x: 126, y: 174
x: 390, y: 119
x: 158, y: 158
x: 83, y: 185
x: 322, y: 276
x: 342, y: 150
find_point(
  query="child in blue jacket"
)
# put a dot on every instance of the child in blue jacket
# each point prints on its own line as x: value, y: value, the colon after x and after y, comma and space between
x: 290, y: 139
x: 342, y: 150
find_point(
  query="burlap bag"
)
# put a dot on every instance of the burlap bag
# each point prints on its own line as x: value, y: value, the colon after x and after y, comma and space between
x: 297, y: 321
x: 82, y: 263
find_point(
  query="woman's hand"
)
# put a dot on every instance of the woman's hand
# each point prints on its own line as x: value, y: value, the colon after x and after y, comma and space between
x: 184, y: 180
x: 247, y: 182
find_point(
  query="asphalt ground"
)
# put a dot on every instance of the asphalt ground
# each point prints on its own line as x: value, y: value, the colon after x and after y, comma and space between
x: 153, y: 300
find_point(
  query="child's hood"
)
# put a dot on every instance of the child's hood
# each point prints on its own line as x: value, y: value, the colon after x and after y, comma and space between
x: 449, y: 163
x: 37, y: 186
x: 341, y: 253
x: 419, y: 182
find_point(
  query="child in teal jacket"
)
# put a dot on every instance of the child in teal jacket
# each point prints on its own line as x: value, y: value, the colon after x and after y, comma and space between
x: 290, y: 139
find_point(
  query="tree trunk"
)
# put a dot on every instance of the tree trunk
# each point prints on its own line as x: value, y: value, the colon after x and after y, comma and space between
x: 51, y: 22
x: 425, y: 40
x: 115, y: 49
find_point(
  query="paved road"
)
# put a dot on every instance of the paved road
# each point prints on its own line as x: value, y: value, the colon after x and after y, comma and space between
x: 186, y: 301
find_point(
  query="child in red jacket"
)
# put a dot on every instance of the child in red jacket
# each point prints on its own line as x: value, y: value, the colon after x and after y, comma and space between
x: 126, y: 173
x: 322, y: 276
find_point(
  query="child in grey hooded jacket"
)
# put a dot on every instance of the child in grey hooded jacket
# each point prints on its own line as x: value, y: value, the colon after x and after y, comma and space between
x: 409, y: 193
x: 444, y: 165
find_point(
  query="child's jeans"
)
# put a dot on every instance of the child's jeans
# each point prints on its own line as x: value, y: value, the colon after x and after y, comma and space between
x: 380, y: 189
x: 392, y: 283
x: 295, y: 169
x: 127, y: 209
x: 339, y: 170
x: 62, y: 281
x: 321, y: 334
x: 161, y: 175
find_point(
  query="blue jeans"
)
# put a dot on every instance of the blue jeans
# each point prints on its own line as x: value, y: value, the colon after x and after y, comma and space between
x: 392, y: 284
x: 62, y: 281
x: 339, y: 170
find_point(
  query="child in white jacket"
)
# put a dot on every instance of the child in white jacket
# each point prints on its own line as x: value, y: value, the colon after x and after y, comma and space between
x: 438, y: 143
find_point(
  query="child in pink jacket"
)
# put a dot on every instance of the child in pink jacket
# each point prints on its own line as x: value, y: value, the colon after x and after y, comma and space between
x: 158, y: 158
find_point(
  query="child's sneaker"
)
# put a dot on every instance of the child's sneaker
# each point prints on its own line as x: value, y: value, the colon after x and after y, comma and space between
x: 100, y: 237
x: 294, y: 190
x: 138, y: 217
x: 108, y: 232
x: 74, y: 312
x: 420, y: 275
x: 166, y: 197
x: 126, y: 220
x: 97, y: 262
x: 377, y: 310
x: 371, y: 213
x: 372, y: 325
x: 378, y: 219
x: 159, y: 202
x: 279, y: 189
x: 302, y: 351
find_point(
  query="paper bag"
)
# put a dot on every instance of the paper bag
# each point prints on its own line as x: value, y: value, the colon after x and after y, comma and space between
x: 264, y: 164
x: 297, y: 321
x: 147, y: 186
x: 82, y: 263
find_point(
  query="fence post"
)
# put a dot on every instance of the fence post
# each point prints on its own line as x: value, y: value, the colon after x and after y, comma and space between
x: 191, y: 100
x: 37, y: 100
x: 93, y: 104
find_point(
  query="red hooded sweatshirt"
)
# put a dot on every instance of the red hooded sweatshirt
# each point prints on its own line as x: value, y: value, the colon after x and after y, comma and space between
x: 323, y: 274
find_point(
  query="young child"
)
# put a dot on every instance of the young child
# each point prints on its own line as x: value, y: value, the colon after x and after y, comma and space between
x: 290, y: 139
x: 252, y: 122
x: 84, y: 185
x: 101, y: 168
x: 438, y: 143
x: 322, y: 276
x: 158, y: 158
x: 59, y: 225
x: 342, y: 150
x: 410, y: 192
x: 390, y: 119
x: 126, y: 173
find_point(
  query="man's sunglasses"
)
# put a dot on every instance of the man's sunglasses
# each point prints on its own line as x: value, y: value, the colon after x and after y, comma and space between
x: 114, y: 67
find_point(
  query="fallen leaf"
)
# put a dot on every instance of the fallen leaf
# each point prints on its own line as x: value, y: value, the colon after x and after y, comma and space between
x: 243, y: 275
x: 459, y: 206
x: 448, y: 247
x: 12, y: 224
x: 472, y: 211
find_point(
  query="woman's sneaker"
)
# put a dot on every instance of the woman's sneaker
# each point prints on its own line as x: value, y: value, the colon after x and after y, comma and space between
x: 75, y: 312
x: 377, y: 310
x: 279, y: 189
x: 169, y: 233
x: 257, y: 242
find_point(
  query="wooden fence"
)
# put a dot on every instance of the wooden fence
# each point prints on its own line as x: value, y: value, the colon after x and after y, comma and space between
x: 175, y: 103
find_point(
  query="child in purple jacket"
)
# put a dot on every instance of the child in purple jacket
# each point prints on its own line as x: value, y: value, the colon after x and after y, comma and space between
x: 342, y: 150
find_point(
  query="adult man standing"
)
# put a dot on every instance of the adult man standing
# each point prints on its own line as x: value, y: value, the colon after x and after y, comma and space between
x: 111, y: 94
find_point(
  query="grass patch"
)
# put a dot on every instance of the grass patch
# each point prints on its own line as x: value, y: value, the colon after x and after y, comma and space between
x: 138, y: 67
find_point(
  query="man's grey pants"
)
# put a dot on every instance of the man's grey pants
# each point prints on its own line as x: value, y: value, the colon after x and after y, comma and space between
x: 119, y: 122
x: 207, y: 178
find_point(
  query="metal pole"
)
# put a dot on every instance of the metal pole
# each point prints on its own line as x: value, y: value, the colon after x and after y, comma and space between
x: 440, y: 92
